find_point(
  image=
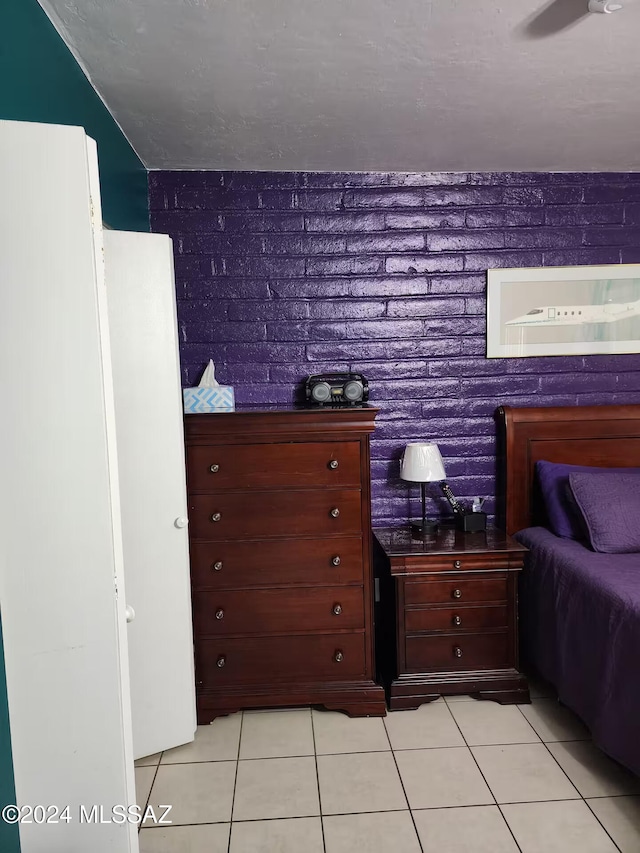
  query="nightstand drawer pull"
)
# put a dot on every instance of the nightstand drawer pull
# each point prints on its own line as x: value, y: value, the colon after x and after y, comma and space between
x: 337, y: 609
x: 457, y: 593
x: 220, y: 614
x: 214, y: 468
x: 457, y: 621
x: 338, y: 657
x: 457, y: 564
x: 333, y: 464
x: 457, y: 651
x: 336, y: 560
x: 221, y: 661
x: 335, y: 512
x: 216, y: 516
x: 217, y: 566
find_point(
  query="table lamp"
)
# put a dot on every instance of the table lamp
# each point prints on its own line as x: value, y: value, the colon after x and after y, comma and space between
x: 422, y: 463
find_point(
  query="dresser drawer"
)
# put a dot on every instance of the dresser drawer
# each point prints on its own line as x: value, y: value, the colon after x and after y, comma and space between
x: 457, y: 651
x: 257, y: 515
x: 458, y: 589
x: 237, y: 565
x: 455, y: 618
x: 263, y: 611
x: 269, y: 466
x: 264, y: 660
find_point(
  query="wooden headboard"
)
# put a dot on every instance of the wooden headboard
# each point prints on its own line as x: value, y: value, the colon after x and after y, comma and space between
x: 604, y: 436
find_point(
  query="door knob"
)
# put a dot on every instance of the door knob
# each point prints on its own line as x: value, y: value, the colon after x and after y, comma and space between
x: 130, y: 613
x: 181, y: 521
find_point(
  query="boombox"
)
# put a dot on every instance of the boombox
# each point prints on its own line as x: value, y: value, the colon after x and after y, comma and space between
x: 336, y: 389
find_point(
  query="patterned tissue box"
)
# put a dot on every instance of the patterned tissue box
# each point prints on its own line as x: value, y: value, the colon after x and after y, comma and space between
x: 201, y: 400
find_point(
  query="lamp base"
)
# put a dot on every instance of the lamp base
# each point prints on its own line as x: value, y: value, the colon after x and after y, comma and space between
x: 423, y: 528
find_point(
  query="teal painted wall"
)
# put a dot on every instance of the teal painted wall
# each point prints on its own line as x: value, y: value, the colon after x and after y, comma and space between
x: 41, y: 81
x: 9, y: 836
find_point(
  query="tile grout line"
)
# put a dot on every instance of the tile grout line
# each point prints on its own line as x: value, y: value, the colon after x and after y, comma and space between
x: 584, y: 740
x: 613, y: 841
x: 153, y: 782
x: 235, y: 781
x: 583, y: 799
x: 404, y: 791
x: 315, y: 758
x: 155, y: 776
x: 515, y: 841
x: 569, y: 779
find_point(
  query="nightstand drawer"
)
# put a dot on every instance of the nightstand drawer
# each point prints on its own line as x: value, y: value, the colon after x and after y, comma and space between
x: 271, y: 562
x: 258, y: 515
x: 277, y: 611
x: 232, y: 466
x: 457, y: 651
x: 454, y: 563
x: 264, y: 660
x: 455, y: 618
x: 457, y: 589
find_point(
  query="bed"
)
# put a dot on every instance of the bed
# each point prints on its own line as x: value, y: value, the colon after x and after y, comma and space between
x: 579, y: 610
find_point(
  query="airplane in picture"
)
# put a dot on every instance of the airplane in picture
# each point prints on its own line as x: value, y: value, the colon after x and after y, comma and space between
x: 574, y: 315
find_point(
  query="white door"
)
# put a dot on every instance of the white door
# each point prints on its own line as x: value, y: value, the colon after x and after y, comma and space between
x: 149, y: 423
x: 61, y: 591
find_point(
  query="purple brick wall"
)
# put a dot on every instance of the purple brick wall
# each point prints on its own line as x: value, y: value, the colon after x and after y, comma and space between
x: 284, y: 274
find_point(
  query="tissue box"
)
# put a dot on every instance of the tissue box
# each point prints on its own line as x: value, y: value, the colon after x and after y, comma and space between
x: 203, y: 400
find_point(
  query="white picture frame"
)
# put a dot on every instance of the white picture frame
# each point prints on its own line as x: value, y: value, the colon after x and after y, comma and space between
x: 585, y: 310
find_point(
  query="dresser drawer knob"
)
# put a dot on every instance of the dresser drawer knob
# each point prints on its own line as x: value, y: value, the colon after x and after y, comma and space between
x: 457, y: 651
x: 333, y: 464
x: 338, y: 657
x: 217, y: 566
x: 336, y: 560
x: 220, y: 614
x: 337, y: 609
x: 216, y: 516
x: 457, y: 620
x: 335, y: 512
x: 457, y: 593
x: 457, y: 564
x: 221, y: 661
x: 214, y: 468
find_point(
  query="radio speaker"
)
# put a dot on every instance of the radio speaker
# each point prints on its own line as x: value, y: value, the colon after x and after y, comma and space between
x: 336, y: 389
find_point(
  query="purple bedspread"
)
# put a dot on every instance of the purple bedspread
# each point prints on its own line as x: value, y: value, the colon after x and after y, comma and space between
x: 580, y: 627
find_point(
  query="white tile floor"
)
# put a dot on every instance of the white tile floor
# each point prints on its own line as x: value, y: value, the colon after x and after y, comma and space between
x: 451, y: 777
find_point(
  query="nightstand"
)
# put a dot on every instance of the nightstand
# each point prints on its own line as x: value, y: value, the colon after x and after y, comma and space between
x: 448, y: 616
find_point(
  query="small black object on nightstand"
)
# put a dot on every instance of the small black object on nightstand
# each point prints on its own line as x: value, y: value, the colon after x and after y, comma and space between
x: 472, y: 522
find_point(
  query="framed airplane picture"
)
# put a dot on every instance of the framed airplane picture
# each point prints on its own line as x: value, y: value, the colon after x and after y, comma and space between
x: 563, y: 311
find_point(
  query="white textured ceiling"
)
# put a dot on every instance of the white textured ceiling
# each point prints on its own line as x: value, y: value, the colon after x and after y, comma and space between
x: 415, y: 85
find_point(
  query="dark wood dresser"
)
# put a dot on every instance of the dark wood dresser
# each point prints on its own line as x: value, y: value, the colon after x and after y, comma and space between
x: 450, y: 611
x: 280, y: 531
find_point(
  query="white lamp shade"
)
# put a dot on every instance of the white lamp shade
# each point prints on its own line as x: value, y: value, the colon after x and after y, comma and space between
x: 422, y: 463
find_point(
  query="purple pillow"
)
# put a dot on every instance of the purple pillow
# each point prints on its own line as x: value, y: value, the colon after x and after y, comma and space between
x: 610, y: 506
x: 563, y: 517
